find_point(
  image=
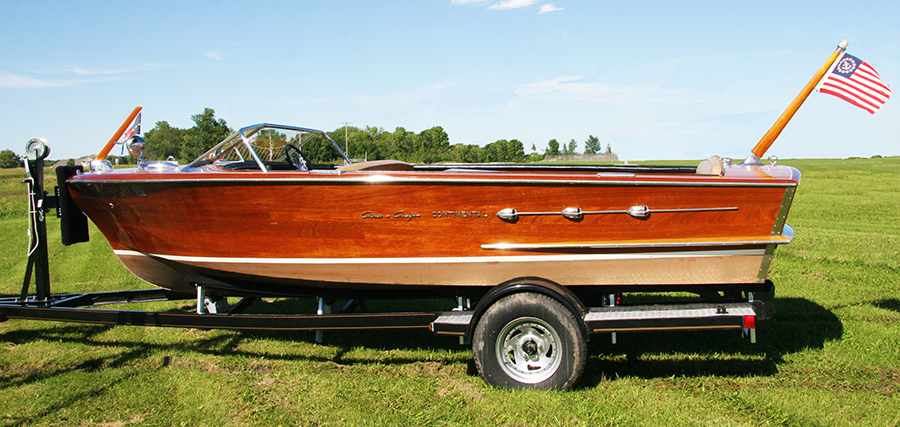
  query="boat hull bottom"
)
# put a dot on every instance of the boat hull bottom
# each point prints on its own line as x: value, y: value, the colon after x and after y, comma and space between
x: 694, y: 271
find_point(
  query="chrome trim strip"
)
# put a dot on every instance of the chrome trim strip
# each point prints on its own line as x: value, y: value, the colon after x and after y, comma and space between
x: 616, y: 174
x: 783, y: 211
x: 380, y: 178
x: 511, y: 214
x: 550, y: 246
x: 788, y: 233
x: 446, y: 260
x: 729, y: 208
x: 766, y: 262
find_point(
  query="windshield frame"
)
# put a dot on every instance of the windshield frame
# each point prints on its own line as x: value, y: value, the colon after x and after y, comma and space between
x: 241, y: 138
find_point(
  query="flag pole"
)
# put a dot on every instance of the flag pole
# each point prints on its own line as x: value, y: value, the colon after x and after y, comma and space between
x: 763, y: 145
x: 112, y: 141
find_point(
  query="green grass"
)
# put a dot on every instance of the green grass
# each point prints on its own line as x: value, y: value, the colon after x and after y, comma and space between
x: 830, y: 358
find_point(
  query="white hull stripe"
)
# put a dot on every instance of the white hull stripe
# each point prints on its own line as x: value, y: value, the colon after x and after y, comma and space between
x: 448, y: 260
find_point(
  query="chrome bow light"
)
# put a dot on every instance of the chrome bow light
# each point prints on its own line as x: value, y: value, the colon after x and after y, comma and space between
x: 136, y: 147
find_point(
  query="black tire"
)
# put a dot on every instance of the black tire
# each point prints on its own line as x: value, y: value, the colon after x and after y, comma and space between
x: 765, y: 296
x: 529, y: 341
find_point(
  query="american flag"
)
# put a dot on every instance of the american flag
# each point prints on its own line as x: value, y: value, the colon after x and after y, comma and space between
x: 858, y: 83
x: 134, y: 128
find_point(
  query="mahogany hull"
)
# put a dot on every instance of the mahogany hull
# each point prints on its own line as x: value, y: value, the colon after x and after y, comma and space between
x: 301, y: 232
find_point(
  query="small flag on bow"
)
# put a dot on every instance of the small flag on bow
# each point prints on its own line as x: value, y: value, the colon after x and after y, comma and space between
x: 133, y: 128
x: 858, y: 83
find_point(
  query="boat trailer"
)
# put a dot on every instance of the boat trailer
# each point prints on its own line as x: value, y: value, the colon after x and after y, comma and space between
x: 474, y: 323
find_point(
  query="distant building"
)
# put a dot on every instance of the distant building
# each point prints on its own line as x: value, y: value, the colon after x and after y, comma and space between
x: 78, y: 161
x: 598, y: 158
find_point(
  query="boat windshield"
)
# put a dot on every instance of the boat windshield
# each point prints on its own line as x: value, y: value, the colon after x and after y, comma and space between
x: 264, y: 143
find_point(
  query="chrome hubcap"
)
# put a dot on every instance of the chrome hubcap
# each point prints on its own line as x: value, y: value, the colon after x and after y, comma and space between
x: 529, y: 350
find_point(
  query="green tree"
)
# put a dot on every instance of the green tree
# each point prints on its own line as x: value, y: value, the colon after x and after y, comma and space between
x: 435, y: 145
x: 592, y: 145
x: 9, y: 159
x: 163, y: 141
x: 206, y: 133
x: 534, y: 157
x: 375, y: 146
x: 358, y: 143
x: 320, y: 150
x: 511, y: 151
x: 571, y: 148
x: 553, y: 148
x: 467, y: 153
x: 404, y: 145
x: 371, y: 143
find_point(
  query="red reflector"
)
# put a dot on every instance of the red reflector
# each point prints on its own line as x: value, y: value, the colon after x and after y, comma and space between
x: 749, y: 322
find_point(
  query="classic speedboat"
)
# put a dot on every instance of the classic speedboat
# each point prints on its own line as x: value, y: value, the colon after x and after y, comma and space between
x: 252, y: 217
x: 241, y: 225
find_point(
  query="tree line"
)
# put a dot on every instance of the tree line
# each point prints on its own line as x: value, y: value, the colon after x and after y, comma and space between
x: 591, y: 146
x: 370, y: 143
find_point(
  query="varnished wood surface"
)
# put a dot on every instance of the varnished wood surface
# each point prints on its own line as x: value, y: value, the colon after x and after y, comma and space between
x: 408, y: 215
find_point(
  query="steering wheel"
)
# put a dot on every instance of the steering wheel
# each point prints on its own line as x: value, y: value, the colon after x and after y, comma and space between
x: 294, y: 157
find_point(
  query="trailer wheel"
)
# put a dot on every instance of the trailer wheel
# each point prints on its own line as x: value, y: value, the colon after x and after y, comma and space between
x: 529, y: 340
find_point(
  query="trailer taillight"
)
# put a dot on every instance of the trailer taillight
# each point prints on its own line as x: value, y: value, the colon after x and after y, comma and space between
x: 749, y: 322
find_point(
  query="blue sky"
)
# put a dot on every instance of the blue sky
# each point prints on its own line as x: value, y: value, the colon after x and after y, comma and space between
x: 655, y: 80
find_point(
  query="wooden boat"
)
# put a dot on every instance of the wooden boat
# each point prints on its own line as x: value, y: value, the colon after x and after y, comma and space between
x: 242, y: 226
x: 238, y: 225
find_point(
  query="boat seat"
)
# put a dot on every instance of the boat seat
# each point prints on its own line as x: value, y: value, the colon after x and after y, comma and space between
x: 378, y: 165
x: 711, y: 166
x: 253, y: 166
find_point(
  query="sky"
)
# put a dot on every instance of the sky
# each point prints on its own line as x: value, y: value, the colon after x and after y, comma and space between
x: 653, y: 79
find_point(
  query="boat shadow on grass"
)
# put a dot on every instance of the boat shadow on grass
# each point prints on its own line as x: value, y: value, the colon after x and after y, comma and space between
x: 799, y: 324
x: 22, y: 377
x: 892, y: 304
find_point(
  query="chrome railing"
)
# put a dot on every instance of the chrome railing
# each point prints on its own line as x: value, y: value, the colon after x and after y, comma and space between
x: 242, y: 138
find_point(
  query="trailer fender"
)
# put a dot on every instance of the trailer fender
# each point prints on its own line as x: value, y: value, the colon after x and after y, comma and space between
x: 529, y: 284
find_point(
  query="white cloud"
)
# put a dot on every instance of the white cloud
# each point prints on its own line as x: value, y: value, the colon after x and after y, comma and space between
x: 214, y: 55
x: 559, y: 84
x: 549, y: 7
x: 14, y: 81
x: 447, y: 84
x: 566, y: 90
x: 87, y: 72
x: 511, y: 4
x: 73, y: 76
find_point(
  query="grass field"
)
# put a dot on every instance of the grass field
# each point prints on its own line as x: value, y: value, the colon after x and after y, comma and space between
x: 830, y: 358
